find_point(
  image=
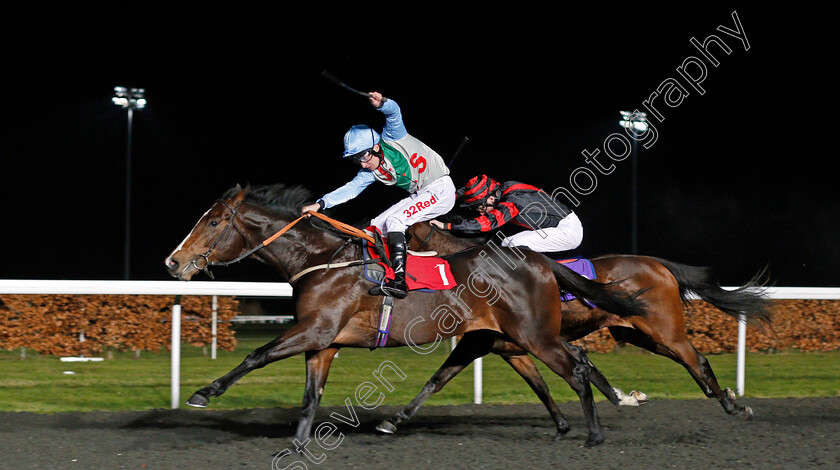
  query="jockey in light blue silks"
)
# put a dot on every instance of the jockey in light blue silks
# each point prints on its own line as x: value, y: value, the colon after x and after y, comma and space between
x: 395, y: 158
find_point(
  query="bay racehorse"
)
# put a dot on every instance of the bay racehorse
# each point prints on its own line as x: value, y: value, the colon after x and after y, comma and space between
x: 666, y: 286
x: 520, y: 306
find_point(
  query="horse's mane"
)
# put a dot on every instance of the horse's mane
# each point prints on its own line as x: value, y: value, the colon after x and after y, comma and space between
x: 285, y: 200
x: 278, y: 197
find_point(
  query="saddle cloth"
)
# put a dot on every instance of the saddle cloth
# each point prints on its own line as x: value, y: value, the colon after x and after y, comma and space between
x: 422, y: 273
x: 581, y: 266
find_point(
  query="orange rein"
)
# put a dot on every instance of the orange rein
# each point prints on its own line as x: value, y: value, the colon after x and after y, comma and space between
x: 341, y: 226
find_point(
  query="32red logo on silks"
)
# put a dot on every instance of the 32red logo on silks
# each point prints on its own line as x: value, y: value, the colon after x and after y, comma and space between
x: 420, y: 206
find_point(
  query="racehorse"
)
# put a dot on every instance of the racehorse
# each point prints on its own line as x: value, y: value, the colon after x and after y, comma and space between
x: 661, y: 331
x: 334, y: 309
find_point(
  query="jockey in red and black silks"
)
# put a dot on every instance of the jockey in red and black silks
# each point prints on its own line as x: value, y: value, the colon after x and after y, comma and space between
x: 550, y: 226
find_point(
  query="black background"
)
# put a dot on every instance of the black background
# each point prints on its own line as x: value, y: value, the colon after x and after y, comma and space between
x: 740, y: 177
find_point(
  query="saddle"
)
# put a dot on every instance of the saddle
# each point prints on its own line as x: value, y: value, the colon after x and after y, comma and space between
x: 424, y: 272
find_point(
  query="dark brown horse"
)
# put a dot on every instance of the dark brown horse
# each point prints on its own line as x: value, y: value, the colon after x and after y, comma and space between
x: 666, y: 286
x: 518, y: 305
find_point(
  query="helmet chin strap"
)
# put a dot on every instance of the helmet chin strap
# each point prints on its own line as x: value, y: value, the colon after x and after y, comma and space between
x: 380, y: 156
x: 495, y: 195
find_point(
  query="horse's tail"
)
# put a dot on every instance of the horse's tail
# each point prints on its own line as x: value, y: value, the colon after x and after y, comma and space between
x: 601, y: 294
x: 749, y: 300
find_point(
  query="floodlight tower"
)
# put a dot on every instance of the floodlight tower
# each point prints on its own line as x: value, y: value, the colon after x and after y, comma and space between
x: 637, y: 123
x: 130, y: 99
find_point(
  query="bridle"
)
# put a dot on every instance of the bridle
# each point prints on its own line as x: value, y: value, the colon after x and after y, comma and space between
x: 341, y: 226
x: 206, y: 255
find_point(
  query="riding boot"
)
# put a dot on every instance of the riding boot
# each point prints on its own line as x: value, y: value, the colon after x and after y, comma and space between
x: 395, y: 287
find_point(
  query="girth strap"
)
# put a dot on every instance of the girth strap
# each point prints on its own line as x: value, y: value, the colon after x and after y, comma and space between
x: 333, y: 265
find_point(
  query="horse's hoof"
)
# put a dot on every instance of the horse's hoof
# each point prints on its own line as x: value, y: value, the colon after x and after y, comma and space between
x: 563, y: 428
x: 198, y: 401
x: 748, y: 413
x: 641, y: 397
x: 594, y: 441
x: 729, y: 393
x: 386, y: 427
x: 634, y: 398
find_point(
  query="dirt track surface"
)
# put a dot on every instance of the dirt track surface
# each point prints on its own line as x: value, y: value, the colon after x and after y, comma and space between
x: 789, y: 434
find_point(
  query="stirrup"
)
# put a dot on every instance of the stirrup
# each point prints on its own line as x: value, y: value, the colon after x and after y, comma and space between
x: 384, y: 323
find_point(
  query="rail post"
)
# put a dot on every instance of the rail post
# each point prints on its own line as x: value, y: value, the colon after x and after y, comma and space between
x: 176, y: 353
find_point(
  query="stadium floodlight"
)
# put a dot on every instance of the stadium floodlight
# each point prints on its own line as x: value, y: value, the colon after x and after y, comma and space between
x: 129, y: 99
x: 636, y: 122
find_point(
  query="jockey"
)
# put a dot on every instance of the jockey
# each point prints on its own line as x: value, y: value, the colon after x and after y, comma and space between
x: 396, y: 159
x: 551, y: 226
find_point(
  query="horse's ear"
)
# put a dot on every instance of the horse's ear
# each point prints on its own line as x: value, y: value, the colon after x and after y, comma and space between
x: 239, y: 196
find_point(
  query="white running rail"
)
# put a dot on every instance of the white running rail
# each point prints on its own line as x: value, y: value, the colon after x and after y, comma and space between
x: 176, y: 288
x: 284, y: 290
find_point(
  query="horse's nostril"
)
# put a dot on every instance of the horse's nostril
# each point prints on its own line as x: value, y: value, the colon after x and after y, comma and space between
x: 171, y: 263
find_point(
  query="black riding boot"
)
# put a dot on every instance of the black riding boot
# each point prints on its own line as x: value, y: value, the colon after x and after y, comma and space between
x: 396, y: 287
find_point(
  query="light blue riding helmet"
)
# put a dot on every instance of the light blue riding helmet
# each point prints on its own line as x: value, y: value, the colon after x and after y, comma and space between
x: 358, y: 139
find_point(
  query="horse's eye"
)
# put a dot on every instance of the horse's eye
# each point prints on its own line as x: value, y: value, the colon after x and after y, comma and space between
x: 214, y: 223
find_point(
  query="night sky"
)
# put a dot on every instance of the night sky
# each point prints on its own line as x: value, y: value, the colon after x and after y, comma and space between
x: 740, y: 177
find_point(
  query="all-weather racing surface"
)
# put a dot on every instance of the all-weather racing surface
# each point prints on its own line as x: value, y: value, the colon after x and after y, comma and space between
x: 685, y: 434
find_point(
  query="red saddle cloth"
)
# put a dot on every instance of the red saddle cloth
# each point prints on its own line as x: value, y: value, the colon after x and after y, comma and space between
x: 421, y: 272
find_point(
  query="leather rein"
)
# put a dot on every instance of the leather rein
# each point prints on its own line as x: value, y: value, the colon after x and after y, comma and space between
x: 341, y: 226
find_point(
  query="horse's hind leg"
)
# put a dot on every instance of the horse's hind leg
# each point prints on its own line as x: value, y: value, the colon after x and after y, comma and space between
x: 616, y: 396
x: 560, y: 358
x: 703, y: 375
x: 472, y: 346
x: 699, y: 368
x: 680, y: 349
x: 526, y: 368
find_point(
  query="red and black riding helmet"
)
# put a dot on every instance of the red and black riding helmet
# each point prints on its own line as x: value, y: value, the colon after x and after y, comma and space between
x: 477, y: 190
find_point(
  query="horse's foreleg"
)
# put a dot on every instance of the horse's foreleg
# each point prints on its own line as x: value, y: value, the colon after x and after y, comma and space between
x: 317, y: 369
x: 300, y: 338
x: 472, y: 346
